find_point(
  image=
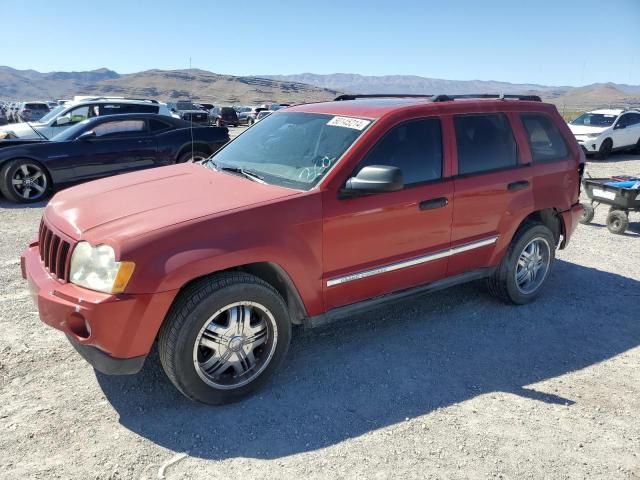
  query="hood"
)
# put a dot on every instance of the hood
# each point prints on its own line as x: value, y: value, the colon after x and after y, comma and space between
x: 126, y: 206
x: 22, y: 130
x: 584, y: 129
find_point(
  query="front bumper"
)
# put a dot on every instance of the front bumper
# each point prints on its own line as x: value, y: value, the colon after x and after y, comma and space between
x: 588, y: 145
x: 570, y: 219
x: 114, y: 333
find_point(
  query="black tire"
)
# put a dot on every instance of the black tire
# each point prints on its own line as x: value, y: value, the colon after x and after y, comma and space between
x: 502, y: 284
x: 236, y: 125
x: 13, y: 193
x: 587, y: 214
x: 636, y: 148
x: 187, y: 156
x: 605, y: 149
x: 187, y: 318
x: 250, y: 121
x: 617, y: 221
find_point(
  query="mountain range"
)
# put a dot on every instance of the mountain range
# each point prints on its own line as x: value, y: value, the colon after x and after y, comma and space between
x: 217, y: 88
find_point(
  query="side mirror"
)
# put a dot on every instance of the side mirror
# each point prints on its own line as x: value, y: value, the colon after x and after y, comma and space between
x: 374, y: 179
x: 86, y: 136
x: 63, y: 120
x: 618, y: 126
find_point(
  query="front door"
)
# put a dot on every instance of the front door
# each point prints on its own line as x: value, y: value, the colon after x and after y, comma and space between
x: 377, y: 244
x: 119, y: 146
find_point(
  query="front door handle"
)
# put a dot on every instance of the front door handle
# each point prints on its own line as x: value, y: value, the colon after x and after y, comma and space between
x: 434, y: 203
x: 519, y: 185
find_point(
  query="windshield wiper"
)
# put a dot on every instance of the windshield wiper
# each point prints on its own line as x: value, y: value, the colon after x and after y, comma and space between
x: 250, y: 174
x: 40, y: 134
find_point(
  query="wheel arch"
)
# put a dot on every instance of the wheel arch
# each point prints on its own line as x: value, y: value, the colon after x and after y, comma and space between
x: 549, y: 217
x: 45, y: 169
x: 274, y: 275
x: 201, y: 146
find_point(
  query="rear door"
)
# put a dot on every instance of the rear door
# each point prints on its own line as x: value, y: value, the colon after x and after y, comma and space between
x: 119, y: 146
x: 377, y: 244
x: 492, y: 188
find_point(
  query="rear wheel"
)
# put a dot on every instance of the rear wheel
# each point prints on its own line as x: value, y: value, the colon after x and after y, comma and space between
x: 224, y: 337
x: 24, y: 181
x: 605, y: 149
x: 617, y: 221
x: 588, y: 213
x: 525, y: 268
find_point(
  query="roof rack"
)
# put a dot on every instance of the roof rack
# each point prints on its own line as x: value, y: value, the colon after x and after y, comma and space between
x: 82, y: 98
x: 350, y: 96
x: 449, y: 98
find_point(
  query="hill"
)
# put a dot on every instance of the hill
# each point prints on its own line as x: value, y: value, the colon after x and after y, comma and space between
x: 159, y: 84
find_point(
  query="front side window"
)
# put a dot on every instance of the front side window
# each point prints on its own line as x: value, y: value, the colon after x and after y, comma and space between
x: 485, y: 143
x: 118, y: 128
x: 293, y: 149
x: 415, y: 147
x: 545, y: 140
x: 78, y: 114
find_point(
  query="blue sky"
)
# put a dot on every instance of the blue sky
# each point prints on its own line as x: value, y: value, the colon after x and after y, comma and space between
x: 559, y: 42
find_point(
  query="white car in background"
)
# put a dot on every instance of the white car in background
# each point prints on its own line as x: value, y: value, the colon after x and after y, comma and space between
x: 64, y: 116
x: 601, y: 132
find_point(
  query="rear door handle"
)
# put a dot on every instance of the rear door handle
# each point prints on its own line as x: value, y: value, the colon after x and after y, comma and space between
x: 519, y: 185
x: 434, y: 203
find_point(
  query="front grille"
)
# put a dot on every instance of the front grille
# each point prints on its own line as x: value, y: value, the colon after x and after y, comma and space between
x: 55, y: 252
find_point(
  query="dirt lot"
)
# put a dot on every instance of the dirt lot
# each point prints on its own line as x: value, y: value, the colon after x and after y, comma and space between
x: 451, y: 385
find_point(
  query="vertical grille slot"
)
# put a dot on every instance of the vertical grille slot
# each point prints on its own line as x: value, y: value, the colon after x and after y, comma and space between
x: 54, y: 252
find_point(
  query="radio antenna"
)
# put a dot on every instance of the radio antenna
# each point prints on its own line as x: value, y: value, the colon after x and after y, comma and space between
x: 191, y: 117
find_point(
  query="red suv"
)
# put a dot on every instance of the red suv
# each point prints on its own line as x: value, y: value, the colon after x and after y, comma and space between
x: 315, y: 213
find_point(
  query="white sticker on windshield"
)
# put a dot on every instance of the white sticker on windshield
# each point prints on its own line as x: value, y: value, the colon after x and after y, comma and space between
x: 348, y: 122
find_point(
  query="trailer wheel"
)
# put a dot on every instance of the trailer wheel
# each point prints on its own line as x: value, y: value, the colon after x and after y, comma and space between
x: 617, y: 221
x: 587, y: 213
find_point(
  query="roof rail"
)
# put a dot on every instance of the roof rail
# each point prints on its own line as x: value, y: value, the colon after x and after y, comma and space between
x: 449, y: 98
x: 355, y: 96
x: 83, y: 98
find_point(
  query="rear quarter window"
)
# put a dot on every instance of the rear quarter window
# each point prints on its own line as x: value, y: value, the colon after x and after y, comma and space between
x: 545, y: 140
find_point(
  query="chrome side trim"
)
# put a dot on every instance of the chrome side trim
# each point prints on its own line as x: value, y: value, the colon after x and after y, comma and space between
x: 410, y: 263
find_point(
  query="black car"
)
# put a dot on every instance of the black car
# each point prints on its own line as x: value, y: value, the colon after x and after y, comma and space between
x: 190, y: 112
x: 100, y: 147
x: 223, y: 116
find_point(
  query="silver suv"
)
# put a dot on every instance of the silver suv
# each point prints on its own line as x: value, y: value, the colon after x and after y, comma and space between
x: 64, y: 116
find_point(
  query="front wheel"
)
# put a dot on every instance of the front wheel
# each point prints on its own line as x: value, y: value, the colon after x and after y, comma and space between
x: 588, y: 213
x: 605, y: 149
x: 24, y: 181
x: 525, y: 268
x: 224, y: 337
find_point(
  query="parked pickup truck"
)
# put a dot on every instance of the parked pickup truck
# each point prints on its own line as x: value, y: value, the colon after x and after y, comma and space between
x: 317, y: 212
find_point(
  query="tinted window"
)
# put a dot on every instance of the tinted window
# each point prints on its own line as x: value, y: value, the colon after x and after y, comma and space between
x: 414, y: 147
x: 119, y: 127
x: 157, y: 125
x: 629, y: 119
x: 112, y: 109
x: 545, y: 140
x: 484, y: 142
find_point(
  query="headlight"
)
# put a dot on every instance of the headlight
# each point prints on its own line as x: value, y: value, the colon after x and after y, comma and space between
x: 96, y: 268
x: 594, y: 134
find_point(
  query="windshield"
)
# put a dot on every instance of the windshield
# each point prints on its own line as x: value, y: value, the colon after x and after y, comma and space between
x: 52, y: 114
x: 291, y: 148
x: 70, y: 133
x: 595, y: 120
x: 186, y: 106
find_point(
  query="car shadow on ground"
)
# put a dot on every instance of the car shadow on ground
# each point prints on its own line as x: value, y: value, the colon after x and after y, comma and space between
x: 615, y: 157
x: 4, y: 203
x: 403, y: 361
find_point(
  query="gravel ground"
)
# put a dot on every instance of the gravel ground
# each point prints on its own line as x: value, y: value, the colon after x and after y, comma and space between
x: 450, y: 385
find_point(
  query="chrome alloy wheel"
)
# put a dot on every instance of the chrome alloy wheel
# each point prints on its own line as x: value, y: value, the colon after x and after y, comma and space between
x: 235, y: 345
x: 533, y: 265
x: 29, y: 181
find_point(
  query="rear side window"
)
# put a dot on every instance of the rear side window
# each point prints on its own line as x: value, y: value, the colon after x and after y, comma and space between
x: 112, y: 109
x: 415, y: 147
x: 545, y: 140
x: 36, y: 106
x: 484, y: 143
x: 118, y: 128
